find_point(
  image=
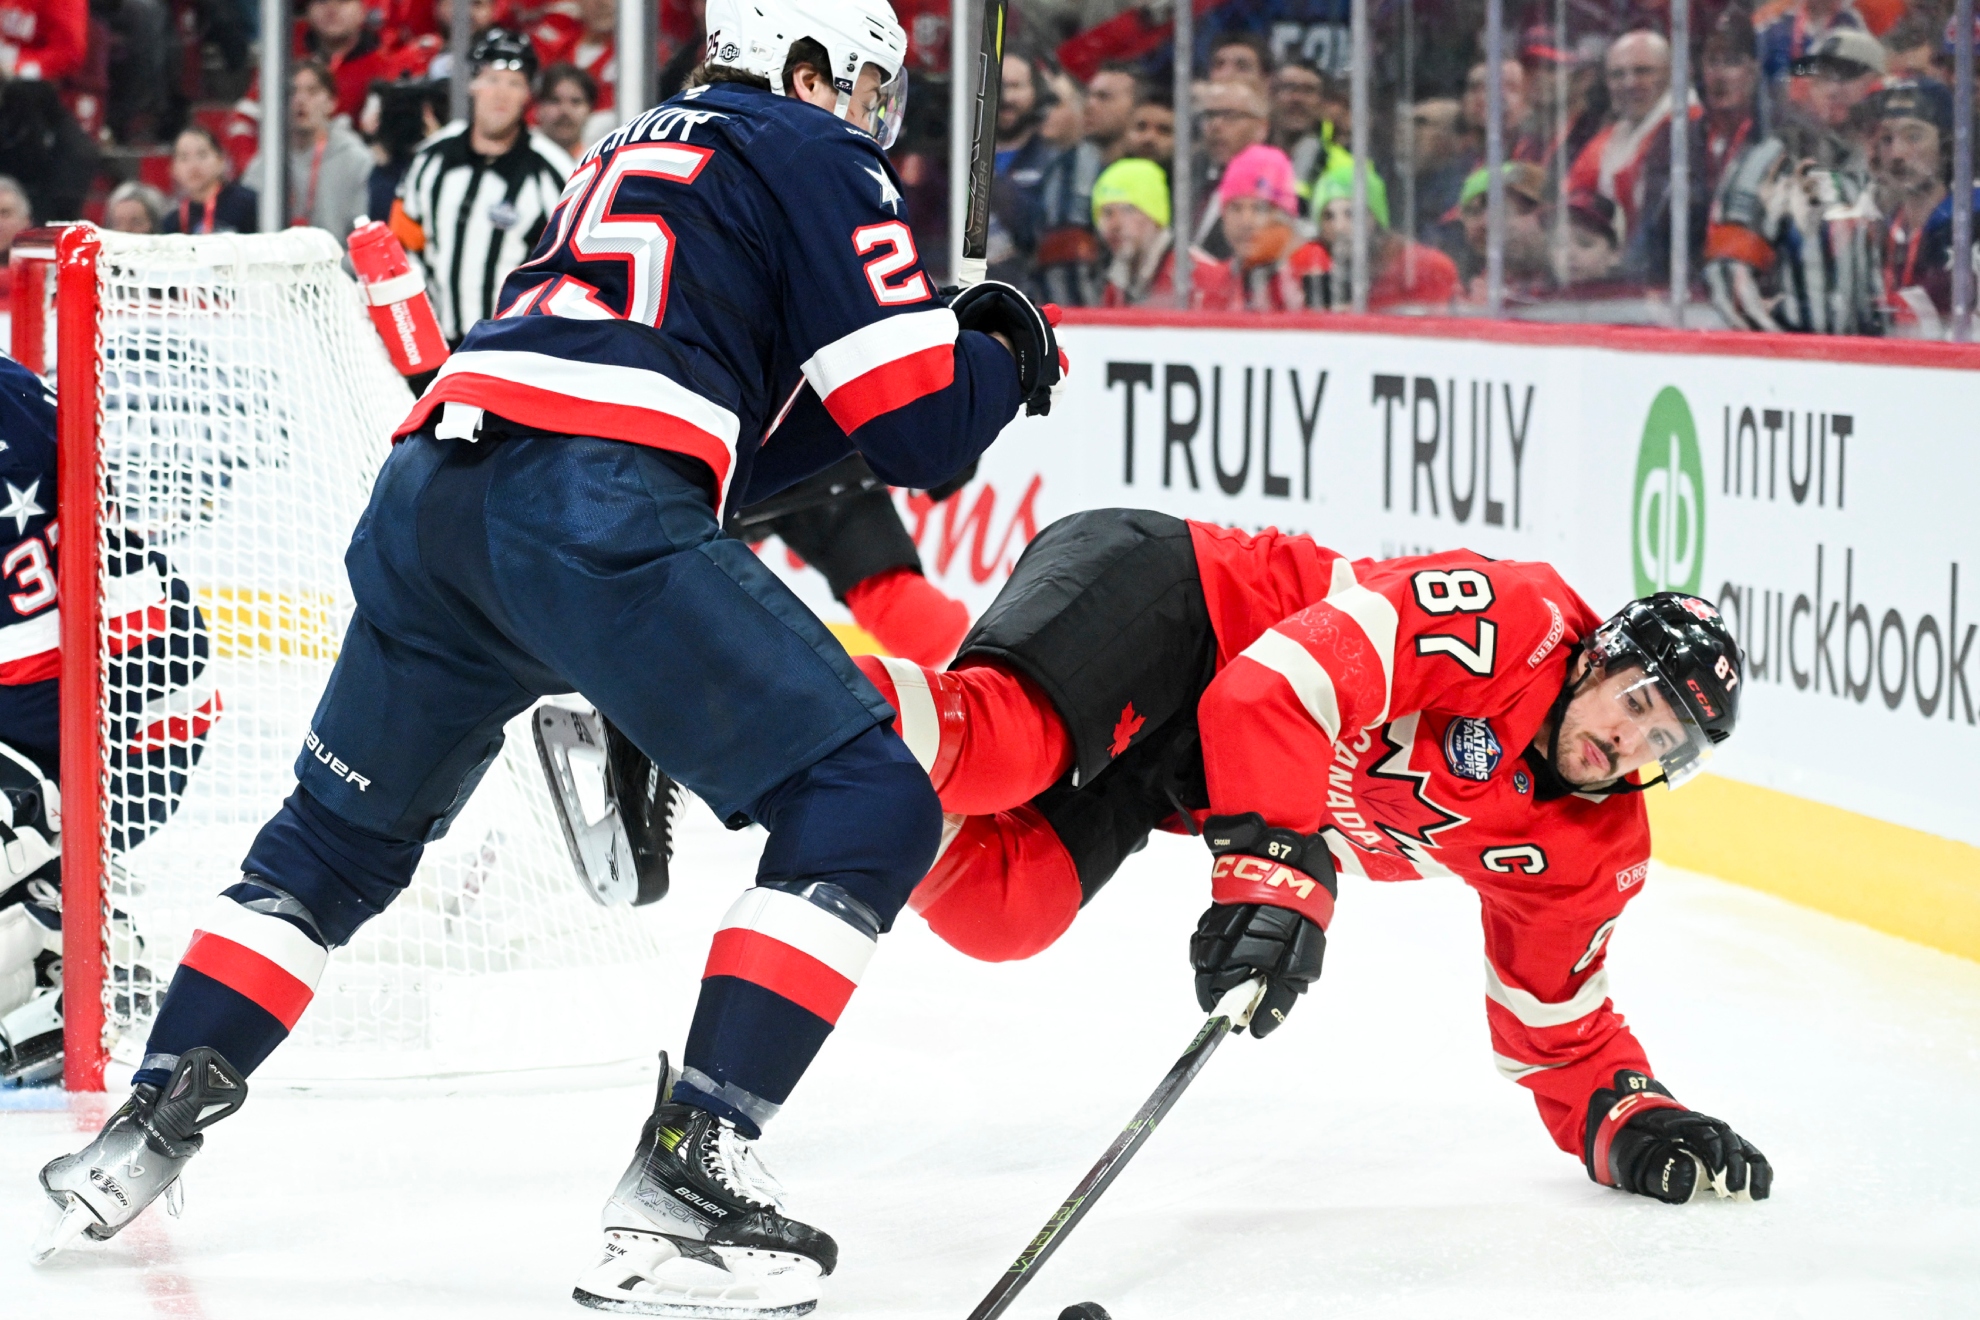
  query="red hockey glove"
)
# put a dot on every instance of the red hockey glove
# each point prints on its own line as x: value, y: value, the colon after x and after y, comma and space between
x: 1274, y: 892
x: 1642, y: 1140
x: 994, y: 307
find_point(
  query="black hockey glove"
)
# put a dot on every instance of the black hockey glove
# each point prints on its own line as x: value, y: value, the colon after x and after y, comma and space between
x: 1642, y: 1140
x: 994, y: 307
x: 1275, y: 895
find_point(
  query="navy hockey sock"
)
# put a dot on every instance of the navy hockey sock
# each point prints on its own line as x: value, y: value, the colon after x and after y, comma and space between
x: 247, y: 975
x: 251, y: 969
x: 850, y: 837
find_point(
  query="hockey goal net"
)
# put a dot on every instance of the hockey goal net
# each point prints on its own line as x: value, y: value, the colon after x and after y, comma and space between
x: 224, y: 405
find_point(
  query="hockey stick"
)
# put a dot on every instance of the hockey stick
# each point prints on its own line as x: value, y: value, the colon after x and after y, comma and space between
x: 983, y: 144
x: 1233, y: 1013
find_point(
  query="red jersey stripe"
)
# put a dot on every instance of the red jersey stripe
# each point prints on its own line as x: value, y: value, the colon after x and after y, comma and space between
x: 892, y: 385
x: 32, y: 669
x: 562, y: 414
x: 797, y: 976
x: 242, y: 969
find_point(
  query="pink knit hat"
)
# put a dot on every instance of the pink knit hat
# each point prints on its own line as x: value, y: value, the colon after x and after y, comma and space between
x: 1261, y: 171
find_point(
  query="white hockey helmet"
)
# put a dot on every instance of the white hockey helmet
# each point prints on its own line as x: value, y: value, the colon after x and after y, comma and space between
x: 756, y: 35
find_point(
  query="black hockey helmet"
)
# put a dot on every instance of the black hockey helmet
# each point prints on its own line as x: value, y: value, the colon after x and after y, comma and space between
x: 499, y: 48
x: 1682, y: 645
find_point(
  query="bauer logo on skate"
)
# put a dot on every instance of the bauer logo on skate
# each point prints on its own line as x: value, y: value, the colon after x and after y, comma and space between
x: 315, y: 747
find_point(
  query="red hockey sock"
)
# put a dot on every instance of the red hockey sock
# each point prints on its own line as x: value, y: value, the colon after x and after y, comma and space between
x: 989, y: 738
x: 1002, y: 889
x: 909, y: 615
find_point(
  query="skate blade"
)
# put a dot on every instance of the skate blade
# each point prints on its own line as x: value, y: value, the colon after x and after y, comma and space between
x: 689, y: 1309
x: 66, y: 1226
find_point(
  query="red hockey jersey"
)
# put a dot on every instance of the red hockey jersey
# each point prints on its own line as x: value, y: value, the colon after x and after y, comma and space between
x: 1386, y: 704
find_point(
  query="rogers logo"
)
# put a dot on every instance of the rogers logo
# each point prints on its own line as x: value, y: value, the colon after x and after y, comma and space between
x: 1554, y: 633
x: 1631, y: 877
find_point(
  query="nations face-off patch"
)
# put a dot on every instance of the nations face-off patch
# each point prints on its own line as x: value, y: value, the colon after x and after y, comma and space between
x: 1472, y: 749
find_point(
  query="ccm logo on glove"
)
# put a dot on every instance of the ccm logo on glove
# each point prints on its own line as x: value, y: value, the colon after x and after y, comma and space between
x: 1237, y: 878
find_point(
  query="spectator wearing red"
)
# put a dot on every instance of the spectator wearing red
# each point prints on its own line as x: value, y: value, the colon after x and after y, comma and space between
x: 1272, y: 269
x: 206, y: 203
x: 1637, y: 69
x: 429, y: 56
x: 1131, y: 212
x: 344, y: 36
x: 588, y: 39
x: 43, y: 39
x: 1404, y: 272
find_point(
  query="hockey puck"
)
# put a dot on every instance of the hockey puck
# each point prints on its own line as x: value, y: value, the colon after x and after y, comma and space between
x: 1085, y: 1311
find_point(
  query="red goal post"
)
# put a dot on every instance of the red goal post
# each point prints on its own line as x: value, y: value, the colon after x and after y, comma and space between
x: 223, y: 405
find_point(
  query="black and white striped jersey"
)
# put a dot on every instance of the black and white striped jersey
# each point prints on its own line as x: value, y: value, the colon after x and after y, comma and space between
x: 471, y: 219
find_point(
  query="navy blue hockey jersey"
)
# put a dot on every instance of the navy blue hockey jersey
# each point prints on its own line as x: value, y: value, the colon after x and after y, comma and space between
x: 30, y: 624
x: 160, y: 707
x: 729, y: 264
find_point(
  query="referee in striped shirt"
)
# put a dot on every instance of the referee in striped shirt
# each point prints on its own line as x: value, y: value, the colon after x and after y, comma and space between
x: 477, y: 195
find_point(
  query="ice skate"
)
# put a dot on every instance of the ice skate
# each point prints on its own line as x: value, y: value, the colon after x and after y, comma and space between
x: 694, y: 1228
x: 139, y: 1153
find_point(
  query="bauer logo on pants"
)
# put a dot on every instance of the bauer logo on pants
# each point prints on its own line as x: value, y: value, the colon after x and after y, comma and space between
x: 314, y: 745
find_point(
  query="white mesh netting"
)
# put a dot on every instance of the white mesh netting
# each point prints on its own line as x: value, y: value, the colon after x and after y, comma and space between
x: 246, y: 405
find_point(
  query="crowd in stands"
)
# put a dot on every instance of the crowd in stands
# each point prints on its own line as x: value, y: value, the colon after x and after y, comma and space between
x: 1818, y: 140
x: 1818, y: 144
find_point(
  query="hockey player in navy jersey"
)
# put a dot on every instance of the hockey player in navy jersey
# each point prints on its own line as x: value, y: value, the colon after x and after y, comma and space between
x: 154, y: 696
x: 726, y: 300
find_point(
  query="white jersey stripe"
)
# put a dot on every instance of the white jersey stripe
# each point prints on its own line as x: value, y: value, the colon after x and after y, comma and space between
x: 600, y: 382
x: 1513, y: 1070
x: 804, y: 926
x: 1307, y: 677
x: 1534, y: 1012
x: 921, y: 727
x: 846, y: 359
x: 30, y: 637
x: 271, y: 937
x: 1377, y: 619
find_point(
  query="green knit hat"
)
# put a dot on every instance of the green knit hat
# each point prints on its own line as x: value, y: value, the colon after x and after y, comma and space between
x: 1139, y: 183
x: 1337, y: 183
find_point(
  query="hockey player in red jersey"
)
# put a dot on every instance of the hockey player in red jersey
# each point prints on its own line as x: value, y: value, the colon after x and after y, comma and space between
x: 1432, y: 716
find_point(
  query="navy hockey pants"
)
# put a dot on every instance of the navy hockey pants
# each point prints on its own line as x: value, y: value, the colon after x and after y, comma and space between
x: 489, y: 574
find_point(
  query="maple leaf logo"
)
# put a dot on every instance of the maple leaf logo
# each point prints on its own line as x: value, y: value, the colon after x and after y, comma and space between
x: 1124, y: 731
x: 1398, y: 798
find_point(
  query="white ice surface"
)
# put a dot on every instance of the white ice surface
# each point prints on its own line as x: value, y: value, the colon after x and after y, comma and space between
x: 1367, y: 1160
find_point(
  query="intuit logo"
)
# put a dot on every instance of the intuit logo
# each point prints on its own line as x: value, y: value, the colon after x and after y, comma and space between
x: 1667, y: 521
